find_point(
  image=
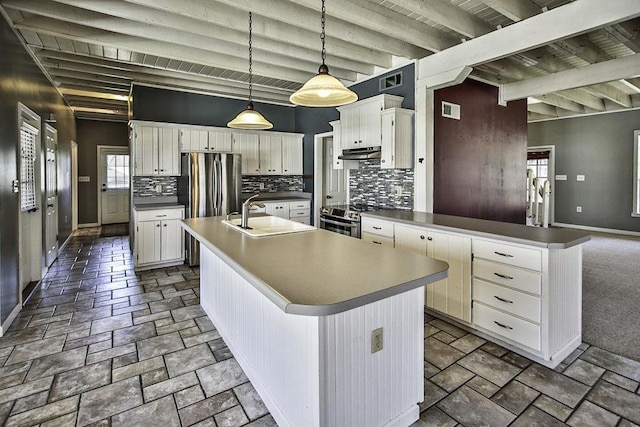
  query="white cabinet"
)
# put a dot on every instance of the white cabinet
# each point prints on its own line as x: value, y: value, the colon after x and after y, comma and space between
x: 205, y: 140
x: 377, y: 231
x: 292, y: 154
x: 279, y: 209
x: 159, y: 238
x: 270, y: 154
x: 300, y: 211
x: 337, y: 145
x: 360, y: 122
x: 452, y: 295
x: 248, y: 146
x: 156, y: 150
x: 397, y: 139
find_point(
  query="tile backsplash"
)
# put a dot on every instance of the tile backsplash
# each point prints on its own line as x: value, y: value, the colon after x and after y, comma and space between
x: 271, y: 183
x: 145, y: 186
x: 373, y: 186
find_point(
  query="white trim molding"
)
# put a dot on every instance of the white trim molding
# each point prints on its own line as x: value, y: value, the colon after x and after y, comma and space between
x: 598, y: 229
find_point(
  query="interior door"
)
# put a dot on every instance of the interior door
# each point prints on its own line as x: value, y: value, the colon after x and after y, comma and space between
x: 51, y: 195
x: 334, y: 186
x: 114, y: 197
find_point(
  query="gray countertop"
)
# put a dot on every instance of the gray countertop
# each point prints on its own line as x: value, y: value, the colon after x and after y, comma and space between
x: 161, y: 205
x: 316, y: 273
x: 553, y: 238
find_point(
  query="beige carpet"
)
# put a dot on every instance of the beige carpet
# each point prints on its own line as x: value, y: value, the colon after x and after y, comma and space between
x: 111, y: 230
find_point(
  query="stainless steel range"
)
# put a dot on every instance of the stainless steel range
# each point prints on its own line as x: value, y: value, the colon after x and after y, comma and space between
x: 343, y: 219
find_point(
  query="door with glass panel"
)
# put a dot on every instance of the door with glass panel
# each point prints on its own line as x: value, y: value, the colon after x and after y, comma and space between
x: 114, y: 184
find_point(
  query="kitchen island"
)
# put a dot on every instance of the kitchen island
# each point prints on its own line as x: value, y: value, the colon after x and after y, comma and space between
x: 328, y: 328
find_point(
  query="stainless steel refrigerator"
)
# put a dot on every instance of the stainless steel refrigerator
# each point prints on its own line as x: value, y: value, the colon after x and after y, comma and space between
x: 210, y: 185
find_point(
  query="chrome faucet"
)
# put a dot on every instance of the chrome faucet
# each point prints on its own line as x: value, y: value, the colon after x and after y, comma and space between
x: 246, y: 206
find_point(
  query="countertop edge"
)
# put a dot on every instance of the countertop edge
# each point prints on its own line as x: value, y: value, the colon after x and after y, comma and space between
x: 550, y: 245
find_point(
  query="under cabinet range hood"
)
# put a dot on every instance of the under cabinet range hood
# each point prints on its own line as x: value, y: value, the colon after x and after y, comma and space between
x: 364, y: 153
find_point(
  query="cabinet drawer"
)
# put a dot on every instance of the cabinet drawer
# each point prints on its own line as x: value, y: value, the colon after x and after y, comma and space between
x: 507, y: 326
x: 160, y: 214
x: 296, y: 213
x: 518, y: 303
x: 374, y: 226
x: 302, y: 220
x: 377, y: 239
x: 508, y: 254
x: 514, y: 277
x: 300, y: 205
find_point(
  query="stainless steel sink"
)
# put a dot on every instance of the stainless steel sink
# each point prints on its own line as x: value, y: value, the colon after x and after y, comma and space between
x: 268, y: 225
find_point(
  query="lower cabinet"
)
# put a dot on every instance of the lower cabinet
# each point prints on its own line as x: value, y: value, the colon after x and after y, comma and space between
x: 159, y: 238
x: 279, y: 209
x: 298, y: 210
x: 452, y: 295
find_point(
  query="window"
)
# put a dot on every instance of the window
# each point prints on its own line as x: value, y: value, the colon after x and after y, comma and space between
x: 28, y: 139
x: 636, y: 174
x: 117, y: 171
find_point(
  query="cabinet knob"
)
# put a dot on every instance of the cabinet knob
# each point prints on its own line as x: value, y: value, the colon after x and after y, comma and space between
x: 429, y: 238
x: 422, y: 237
x: 382, y: 160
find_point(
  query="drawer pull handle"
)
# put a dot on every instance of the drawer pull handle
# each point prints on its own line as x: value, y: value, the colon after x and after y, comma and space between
x: 502, y: 326
x: 503, y: 254
x: 377, y: 243
x: 502, y: 299
x: 503, y: 276
x: 377, y: 228
x: 160, y: 216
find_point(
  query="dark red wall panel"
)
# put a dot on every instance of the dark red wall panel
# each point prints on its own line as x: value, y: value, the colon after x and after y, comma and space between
x: 480, y: 160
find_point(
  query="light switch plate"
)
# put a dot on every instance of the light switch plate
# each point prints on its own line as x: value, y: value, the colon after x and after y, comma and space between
x: 580, y: 177
x: 561, y: 177
x: 84, y: 178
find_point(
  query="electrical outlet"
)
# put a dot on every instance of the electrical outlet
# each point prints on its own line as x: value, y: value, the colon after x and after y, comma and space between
x: 262, y: 185
x: 398, y: 190
x: 159, y: 188
x: 578, y: 209
x: 376, y: 340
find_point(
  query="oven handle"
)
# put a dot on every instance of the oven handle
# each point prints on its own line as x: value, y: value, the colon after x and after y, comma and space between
x: 342, y: 224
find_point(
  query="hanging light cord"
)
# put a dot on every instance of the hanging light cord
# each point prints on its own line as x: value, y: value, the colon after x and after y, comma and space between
x: 322, y: 34
x: 250, y: 54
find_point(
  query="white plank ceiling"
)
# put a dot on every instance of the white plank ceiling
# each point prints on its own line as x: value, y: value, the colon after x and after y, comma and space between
x: 94, y: 50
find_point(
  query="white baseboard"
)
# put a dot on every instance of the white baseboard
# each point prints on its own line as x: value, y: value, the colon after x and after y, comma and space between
x: 62, y: 246
x: 598, y: 229
x: 89, y: 225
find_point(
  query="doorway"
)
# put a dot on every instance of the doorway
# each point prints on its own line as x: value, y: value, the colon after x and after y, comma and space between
x: 30, y: 220
x: 51, y: 195
x: 330, y: 185
x: 541, y: 160
x: 113, y: 184
x: 74, y: 186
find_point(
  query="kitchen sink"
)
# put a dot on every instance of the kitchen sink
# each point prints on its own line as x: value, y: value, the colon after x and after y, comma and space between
x: 268, y: 225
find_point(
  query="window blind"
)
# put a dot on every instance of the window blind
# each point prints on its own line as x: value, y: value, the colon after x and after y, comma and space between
x: 28, y: 139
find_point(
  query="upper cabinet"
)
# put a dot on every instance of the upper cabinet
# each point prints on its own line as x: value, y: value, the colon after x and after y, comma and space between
x: 205, y: 140
x: 361, y: 122
x: 397, y: 139
x: 247, y: 144
x: 156, y: 150
x: 292, y: 154
x: 270, y: 154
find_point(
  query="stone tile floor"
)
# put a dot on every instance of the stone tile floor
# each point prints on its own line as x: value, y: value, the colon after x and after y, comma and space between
x: 99, y: 344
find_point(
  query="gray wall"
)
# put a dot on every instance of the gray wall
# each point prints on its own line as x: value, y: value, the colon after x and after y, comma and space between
x: 22, y: 81
x: 601, y: 148
x: 92, y: 133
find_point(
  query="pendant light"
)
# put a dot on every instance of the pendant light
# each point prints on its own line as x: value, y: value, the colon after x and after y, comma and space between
x: 250, y: 118
x: 323, y: 90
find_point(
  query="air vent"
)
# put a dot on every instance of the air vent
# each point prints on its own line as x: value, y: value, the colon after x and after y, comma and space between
x: 451, y: 111
x: 392, y: 80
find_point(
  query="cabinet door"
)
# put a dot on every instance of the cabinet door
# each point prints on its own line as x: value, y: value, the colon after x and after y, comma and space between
x: 193, y: 140
x: 172, y: 238
x: 350, y: 128
x: 387, y: 159
x: 411, y: 239
x: 370, y: 124
x: 148, y: 242
x: 270, y: 154
x: 291, y: 155
x: 168, y: 152
x: 247, y: 145
x: 219, y: 141
x: 145, y: 141
x: 277, y: 209
x: 452, y: 295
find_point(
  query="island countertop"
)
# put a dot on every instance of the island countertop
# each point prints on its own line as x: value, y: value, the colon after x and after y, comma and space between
x: 552, y: 238
x: 316, y: 273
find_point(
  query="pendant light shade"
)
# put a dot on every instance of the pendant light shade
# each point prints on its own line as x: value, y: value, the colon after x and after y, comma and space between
x: 250, y: 118
x: 323, y: 90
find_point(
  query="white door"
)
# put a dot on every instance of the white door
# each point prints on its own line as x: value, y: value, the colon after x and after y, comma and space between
x: 114, y: 184
x: 334, y: 189
x: 51, y: 194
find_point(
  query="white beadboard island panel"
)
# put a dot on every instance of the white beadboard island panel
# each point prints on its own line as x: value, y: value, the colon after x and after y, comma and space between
x: 319, y: 370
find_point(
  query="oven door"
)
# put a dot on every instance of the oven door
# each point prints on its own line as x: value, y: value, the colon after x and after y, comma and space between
x: 339, y: 225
